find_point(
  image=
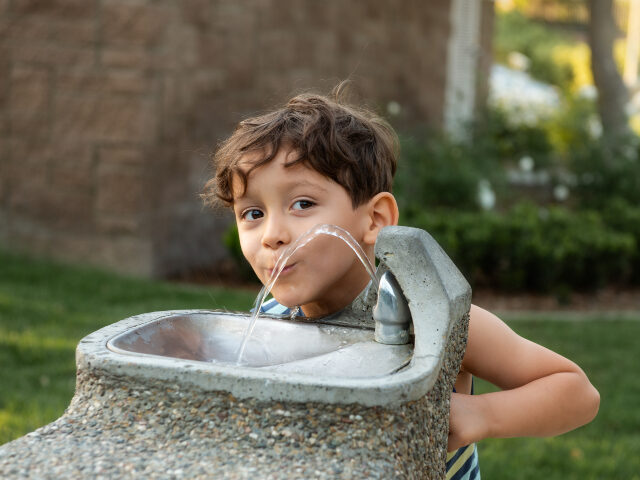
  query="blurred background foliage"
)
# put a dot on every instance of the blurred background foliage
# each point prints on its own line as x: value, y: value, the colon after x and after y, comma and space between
x: 542, y: 202
x: 532, y: 197
x: 555, y: 57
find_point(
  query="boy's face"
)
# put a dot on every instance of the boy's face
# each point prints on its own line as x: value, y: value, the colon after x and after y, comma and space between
x: 280, y: 204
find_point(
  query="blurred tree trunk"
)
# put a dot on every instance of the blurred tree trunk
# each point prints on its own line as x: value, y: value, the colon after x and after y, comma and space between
x: 485, y: 53
x: 612, y: 92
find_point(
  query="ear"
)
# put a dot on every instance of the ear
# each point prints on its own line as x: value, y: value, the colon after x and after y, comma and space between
x: 382, y: 211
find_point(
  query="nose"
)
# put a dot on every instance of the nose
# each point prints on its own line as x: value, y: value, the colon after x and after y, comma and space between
x: 276, y: 232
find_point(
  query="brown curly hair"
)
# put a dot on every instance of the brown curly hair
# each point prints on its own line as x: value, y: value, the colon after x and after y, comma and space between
x: 352, y: 146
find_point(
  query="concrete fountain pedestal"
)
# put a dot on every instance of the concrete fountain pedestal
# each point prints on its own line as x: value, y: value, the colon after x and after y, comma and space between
x: 151, y: 415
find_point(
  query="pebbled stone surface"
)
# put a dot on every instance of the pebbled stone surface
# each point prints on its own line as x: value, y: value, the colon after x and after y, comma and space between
x: 113, y: 429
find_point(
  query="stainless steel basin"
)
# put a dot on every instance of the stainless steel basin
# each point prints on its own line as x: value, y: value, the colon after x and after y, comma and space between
x: 276, y: 344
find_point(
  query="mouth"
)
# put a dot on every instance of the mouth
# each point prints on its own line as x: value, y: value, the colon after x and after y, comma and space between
x: 287, y: 269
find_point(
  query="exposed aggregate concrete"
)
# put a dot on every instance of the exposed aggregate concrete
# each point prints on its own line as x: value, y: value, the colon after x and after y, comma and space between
x: 113, y: 429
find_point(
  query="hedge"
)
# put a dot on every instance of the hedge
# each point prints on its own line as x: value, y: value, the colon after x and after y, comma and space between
x: 540, y: 249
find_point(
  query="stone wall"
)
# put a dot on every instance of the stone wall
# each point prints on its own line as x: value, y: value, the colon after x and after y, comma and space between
x: 109, y: 109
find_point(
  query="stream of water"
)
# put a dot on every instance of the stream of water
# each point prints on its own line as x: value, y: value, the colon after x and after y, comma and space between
x: 303, y: 240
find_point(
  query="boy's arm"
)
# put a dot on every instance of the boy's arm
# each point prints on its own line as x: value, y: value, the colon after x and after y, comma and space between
x: 542, y: 393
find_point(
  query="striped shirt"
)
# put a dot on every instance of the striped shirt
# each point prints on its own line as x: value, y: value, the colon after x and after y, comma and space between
x: 272, y: 307
x: 462, y: 464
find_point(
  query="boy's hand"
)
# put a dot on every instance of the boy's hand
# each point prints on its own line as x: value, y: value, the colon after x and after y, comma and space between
x: 467, y: 421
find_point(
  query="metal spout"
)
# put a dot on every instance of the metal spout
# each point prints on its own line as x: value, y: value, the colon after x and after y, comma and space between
x: 391, y: 313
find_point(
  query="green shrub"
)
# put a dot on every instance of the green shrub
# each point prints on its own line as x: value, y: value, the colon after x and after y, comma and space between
x: 231, y: 241
x: 438, y: 171
x: 516, y: 33
x: 607, y: 173
x: 546, y: 250
x: 623, y: 217
x: 508, y: 140
x: 572, y: 128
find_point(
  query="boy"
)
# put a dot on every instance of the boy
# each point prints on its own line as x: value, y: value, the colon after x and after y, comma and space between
x: 317, y: 161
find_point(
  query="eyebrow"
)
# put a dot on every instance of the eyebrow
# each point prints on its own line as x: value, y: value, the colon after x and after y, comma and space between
x: 306, y: 183
x: 293, y: 184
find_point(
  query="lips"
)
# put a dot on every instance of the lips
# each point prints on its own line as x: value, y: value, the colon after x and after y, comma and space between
x: 285, y: 270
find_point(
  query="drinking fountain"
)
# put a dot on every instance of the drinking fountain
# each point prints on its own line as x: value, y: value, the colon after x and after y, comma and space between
x: 362, y: 393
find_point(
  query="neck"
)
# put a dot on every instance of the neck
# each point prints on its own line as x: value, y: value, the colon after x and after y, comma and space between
x: 338, y: 301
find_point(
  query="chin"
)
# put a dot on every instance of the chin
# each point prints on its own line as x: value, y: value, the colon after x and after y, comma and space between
x: 289, y: 301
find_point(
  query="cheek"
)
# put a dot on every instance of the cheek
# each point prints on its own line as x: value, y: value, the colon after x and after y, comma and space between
x: 247, y: 245
x: 330, y: 252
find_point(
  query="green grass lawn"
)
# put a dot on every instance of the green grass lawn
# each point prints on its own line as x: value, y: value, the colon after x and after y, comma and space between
x: 607, y: 448
x: 46, y: 308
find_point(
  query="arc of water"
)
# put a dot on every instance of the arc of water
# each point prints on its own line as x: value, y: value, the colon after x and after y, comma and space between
x: 301, y: 241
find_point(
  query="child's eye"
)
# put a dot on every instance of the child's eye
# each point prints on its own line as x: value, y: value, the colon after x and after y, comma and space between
x: 303, y: 204
x: 252, y: 214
